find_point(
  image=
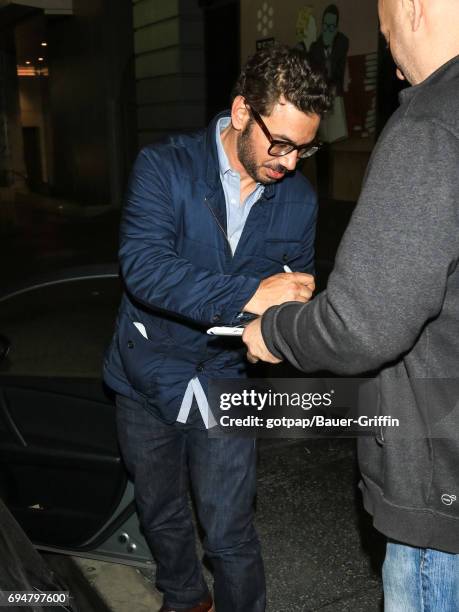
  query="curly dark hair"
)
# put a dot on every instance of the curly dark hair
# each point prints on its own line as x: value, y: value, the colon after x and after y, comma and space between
x: 282, y: 71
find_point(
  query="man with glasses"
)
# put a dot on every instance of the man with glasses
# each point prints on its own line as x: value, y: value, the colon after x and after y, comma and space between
x: 392, y: 308
x: 329, y: 52
x: 210, y: 221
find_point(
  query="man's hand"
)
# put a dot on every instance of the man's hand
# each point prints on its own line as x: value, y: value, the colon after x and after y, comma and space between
x: 256, y: 347
x: 280, y: 288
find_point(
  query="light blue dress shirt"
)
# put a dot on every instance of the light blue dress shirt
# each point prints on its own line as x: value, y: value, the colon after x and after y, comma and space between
x: 236, y: 213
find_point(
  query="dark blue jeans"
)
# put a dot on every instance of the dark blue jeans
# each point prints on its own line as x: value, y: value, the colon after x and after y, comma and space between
x: 163, y: 459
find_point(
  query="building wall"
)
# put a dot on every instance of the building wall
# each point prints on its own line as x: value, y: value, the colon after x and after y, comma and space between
x: 277, y: 20
x: 169, y: 67
x: 91, y: 89
x: 12, y: 167
x: 358, y: 20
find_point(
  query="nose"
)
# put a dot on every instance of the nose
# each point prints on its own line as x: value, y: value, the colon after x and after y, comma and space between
x: 290, y: 161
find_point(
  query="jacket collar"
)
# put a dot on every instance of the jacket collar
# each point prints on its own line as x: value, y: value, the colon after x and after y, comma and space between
x: 213, y: 166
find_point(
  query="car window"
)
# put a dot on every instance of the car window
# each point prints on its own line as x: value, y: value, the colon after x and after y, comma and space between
x: 60, y: 330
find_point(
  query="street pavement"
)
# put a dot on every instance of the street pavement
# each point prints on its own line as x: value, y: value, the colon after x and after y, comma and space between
x: 320, y: 550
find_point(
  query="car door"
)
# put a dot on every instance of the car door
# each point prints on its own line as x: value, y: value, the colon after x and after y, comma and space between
x: 61, y: 473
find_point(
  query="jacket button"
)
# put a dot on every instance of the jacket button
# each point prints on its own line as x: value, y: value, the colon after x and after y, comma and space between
x: 130, y: 344
x: 216, y: 318
x: 285, y: 257
x: 200, y: 368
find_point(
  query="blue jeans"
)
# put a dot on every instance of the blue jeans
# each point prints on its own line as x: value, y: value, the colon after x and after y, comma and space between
x: 163, y: 459
x: 420, y: 580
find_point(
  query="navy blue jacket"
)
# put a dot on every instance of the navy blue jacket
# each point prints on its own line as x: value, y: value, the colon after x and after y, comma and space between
x: 180, y: 275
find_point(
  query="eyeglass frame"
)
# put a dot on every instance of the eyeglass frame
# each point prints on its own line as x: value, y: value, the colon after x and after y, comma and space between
x: 329, y: 27
x: 314, y: 146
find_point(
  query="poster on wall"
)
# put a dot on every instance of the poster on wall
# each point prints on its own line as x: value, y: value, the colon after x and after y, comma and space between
x: 328, y: 53
x: 306, y: 28
x: 341, y: 38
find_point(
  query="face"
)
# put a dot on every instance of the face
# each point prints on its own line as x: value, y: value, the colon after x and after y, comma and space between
x: 286, y: 123
x: 329, y: 29
x: 396, y: 28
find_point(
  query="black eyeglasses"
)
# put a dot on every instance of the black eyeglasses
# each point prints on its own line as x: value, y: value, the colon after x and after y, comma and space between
x: 278, y: 148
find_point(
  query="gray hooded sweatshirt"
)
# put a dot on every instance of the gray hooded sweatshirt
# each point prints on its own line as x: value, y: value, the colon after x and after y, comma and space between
x: 392, y: 307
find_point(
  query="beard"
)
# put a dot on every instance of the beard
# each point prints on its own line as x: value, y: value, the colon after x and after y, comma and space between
x: 247, y: 157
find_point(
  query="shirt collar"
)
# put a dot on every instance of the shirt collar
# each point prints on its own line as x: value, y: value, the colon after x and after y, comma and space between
x: 223, y: 161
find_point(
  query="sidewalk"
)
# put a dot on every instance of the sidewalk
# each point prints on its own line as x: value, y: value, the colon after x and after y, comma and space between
x: 123, y: 588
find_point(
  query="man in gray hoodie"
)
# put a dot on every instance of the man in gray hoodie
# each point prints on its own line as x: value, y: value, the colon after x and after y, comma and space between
x: 392, y: 306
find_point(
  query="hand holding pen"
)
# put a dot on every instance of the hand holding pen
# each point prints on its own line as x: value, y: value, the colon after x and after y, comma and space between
x: 287, y: 286
x: 252, y: 336
x: 301, y: 287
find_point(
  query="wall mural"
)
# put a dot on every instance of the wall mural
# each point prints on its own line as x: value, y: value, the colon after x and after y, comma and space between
x: 265, y: 19
x: 351, y: 76
x: 306, y: 28
x: 329, y: 54
x: 340, y: 37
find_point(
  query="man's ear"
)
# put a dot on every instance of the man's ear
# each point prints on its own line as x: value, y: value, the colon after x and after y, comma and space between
x: 239, y: 113
x: 416, y: 13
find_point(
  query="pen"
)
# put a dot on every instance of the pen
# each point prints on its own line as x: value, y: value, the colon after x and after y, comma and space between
x: 288, y: 270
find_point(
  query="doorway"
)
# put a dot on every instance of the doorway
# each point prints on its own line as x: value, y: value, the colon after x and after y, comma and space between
x: 32, y: 158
